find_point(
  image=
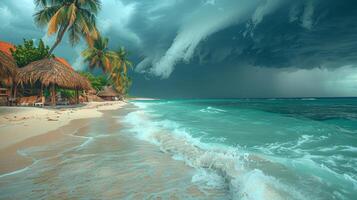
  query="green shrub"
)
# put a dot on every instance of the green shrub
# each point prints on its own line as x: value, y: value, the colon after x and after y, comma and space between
x: 28, y: 52
x: 98, y: 82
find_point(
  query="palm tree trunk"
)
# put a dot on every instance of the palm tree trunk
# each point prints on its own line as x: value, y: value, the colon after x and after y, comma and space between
x: 58, y: 39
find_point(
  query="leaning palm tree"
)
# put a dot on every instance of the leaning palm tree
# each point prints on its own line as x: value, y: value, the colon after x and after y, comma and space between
x: 99, y: 55
x: 77, y: 17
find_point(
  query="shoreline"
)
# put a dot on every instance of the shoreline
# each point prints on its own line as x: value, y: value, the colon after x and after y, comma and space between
x: 30, y: 126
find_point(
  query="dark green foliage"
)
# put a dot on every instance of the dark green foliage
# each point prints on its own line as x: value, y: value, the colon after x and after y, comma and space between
x: 97, y: 82
x: 66, y: 93
x: 28, y: 52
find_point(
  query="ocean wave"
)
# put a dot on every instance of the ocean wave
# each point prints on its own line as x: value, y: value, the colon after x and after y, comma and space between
x: 210, y: 109
x: 308, y: 99
x: 217, y: 165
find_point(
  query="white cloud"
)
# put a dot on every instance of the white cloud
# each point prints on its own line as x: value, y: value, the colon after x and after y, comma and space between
x: 115, y: 17
x: 264, y: 9
x: 307, y: 17
x: 209, y: 19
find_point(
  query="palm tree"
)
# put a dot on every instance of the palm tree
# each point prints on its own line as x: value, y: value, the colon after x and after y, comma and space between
x: 77, y: 17
x: 119, y: 71
x: 99, y: 55
x: 123, y: 57
x: 114, y: 63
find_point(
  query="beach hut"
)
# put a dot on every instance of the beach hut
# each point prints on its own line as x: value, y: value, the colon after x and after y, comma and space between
x: 8, y: 66
x: 8, y: 71
x: 52, y: 73
x: 108, y: 93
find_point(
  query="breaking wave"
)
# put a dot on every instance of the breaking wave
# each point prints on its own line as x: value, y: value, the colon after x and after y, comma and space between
x: 217, y: 165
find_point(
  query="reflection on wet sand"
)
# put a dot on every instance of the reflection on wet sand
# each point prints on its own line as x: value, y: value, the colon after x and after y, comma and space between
x: 98, y: 159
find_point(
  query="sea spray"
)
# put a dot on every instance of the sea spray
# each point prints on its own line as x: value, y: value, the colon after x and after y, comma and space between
x: 226, y: 162
x: 287, y: 145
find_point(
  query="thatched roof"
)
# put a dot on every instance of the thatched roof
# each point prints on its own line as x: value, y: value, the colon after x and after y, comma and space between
x: 8, y: 66
x: 84, y: 82
x: 108, y: 92
x: 50, y: 71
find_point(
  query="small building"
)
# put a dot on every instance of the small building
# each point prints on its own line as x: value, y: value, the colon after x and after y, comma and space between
x: 8, y: 71
x: 109, y: 94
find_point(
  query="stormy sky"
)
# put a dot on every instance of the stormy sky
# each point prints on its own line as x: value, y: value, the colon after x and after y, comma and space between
x: 220, y: 48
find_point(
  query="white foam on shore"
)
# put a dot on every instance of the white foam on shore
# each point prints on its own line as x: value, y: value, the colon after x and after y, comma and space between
x: 24, y: 153
x: 19, y: 170
x: 215, y: 160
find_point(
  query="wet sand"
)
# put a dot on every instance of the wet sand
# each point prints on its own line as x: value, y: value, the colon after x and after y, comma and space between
x: 12, y: 160
x: 97, y: 159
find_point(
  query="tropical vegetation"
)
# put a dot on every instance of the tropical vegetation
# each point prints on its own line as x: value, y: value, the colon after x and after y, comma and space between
x: 119, y: 73
x: 114, y: 63
x: 77, y: 20
x: 99, y: 55
x: 27, y: 52
x: 77, y: 17
x: 98, y: 82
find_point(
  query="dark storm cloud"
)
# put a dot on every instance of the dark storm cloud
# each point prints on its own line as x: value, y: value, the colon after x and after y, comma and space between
x: 303, y: 34
x: 328, y: 39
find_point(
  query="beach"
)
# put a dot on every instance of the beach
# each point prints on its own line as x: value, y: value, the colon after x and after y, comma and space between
x: 248, y: 149
x: 95, y: 157
x: 28, y: 126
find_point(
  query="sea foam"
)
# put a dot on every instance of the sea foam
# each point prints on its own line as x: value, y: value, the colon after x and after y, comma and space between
x: 214, y: 162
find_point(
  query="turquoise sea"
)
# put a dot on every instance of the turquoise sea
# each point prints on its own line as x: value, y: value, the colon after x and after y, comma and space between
x: 258, y: 148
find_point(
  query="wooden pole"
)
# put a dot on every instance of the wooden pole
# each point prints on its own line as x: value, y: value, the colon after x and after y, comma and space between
x: 12, y: 89
x: 53, y: 94
x: 77, y: 96
x: 41, y: 92
x: 15, y: 91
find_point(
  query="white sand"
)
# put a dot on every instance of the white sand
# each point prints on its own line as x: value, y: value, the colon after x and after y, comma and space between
x: 27, y: 122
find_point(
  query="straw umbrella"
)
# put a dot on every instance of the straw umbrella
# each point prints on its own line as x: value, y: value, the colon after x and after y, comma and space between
x: 51, y: 73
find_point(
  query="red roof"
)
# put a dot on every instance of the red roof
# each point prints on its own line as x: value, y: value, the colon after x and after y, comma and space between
x: 64, y: 61
x: 5, y: 47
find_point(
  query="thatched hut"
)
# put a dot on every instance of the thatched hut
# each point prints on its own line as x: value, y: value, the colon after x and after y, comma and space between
x: 108, y: 93
x: 8, y: 71
x: 8, y: 66
x: 51, y: 73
